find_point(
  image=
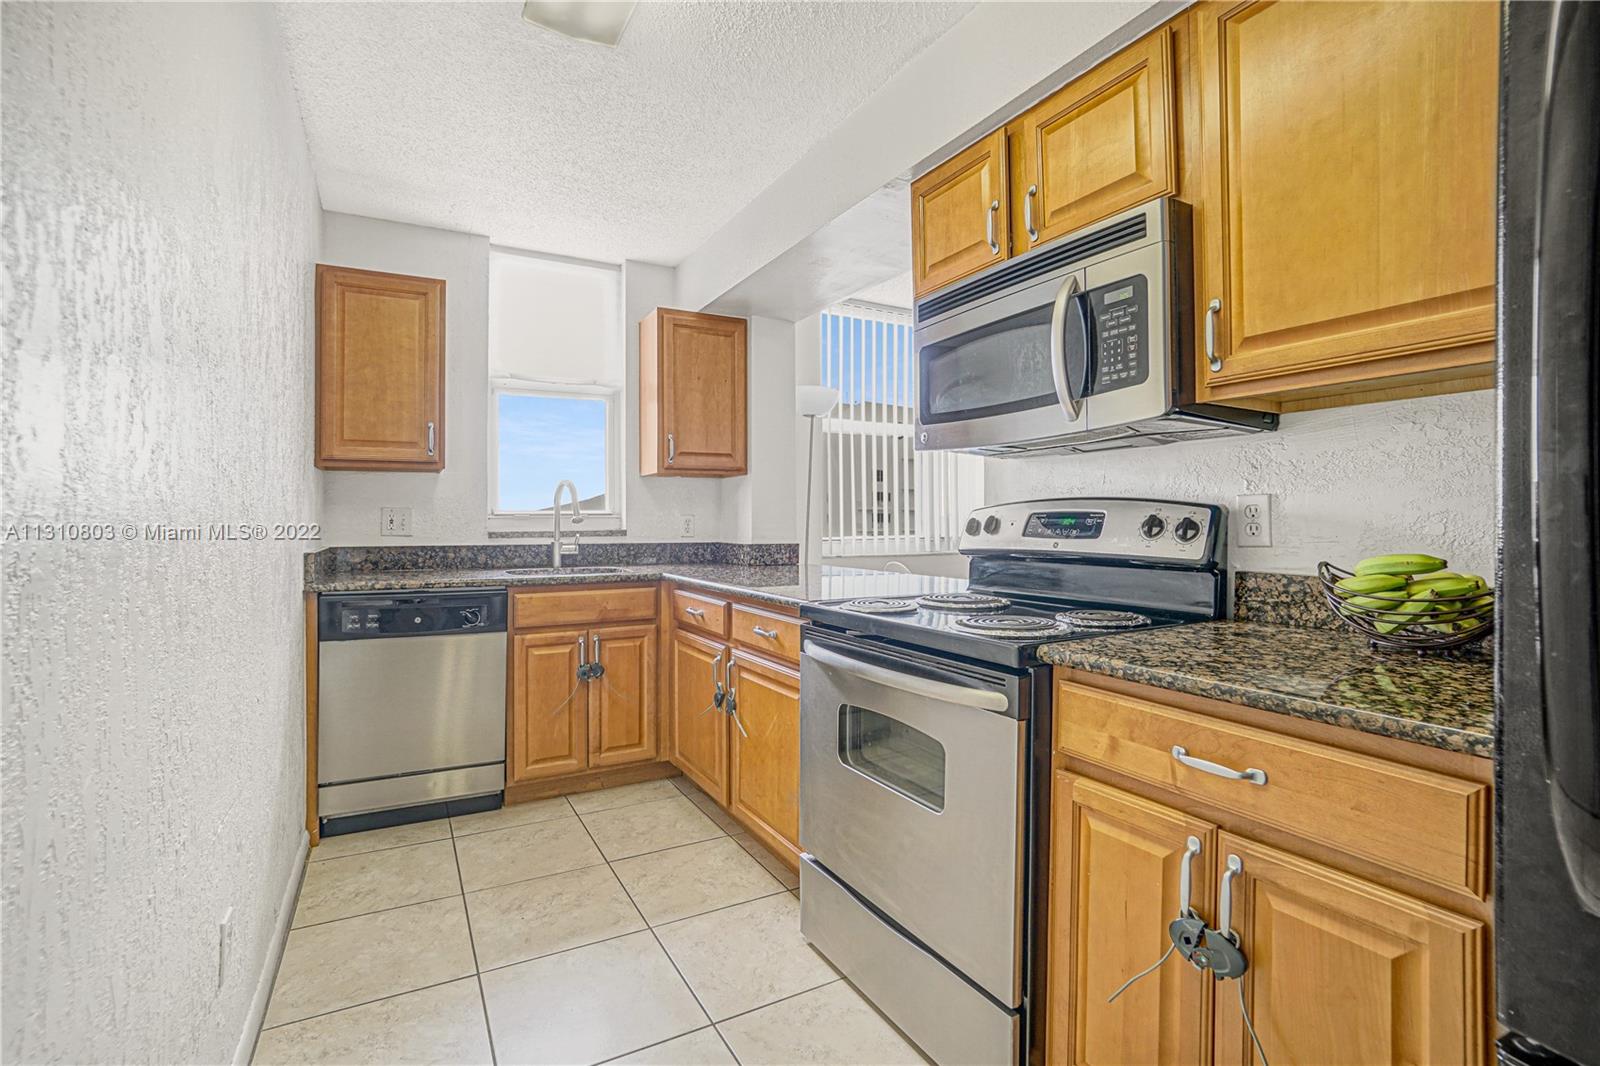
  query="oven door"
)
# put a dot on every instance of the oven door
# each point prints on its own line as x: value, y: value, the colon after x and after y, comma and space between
x: 911, y: 794
x: 985, y: 375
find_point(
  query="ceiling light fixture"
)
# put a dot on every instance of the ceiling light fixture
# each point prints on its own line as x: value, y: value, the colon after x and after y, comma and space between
x: 601, y: 21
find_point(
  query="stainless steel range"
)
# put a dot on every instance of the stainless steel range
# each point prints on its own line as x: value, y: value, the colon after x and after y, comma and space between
x: 925, y: 756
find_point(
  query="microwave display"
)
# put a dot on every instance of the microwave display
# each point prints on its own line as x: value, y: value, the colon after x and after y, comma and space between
x: 1122, y: 334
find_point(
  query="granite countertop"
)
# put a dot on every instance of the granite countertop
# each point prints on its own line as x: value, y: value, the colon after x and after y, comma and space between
x: 781, y: 585
x: 1322, y: 675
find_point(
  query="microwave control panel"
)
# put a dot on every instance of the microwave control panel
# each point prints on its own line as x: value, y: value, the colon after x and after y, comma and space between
x: 1121, y: 314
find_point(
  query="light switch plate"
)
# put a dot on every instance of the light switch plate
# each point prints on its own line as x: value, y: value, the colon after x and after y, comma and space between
x: 1252, y: 521
x: 394, y: 521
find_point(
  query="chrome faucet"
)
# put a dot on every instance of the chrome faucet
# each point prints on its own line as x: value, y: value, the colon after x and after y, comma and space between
x: 557, y: 550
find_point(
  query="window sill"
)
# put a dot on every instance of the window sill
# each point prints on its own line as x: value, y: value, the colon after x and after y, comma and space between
x: 543, y: 525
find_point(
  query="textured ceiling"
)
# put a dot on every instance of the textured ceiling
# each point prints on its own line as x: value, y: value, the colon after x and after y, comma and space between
x: 465, y: 117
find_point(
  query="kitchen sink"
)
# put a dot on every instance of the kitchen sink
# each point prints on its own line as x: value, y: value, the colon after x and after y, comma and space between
x: 541, y: 570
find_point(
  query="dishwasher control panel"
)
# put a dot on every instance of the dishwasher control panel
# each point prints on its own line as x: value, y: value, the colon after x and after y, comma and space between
x: 369, y: 615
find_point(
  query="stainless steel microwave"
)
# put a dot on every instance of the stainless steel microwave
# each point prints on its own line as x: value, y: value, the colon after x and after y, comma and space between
x: 1082, y: 345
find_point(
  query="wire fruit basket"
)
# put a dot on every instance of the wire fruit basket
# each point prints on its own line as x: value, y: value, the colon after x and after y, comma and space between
x: 1403, y: 621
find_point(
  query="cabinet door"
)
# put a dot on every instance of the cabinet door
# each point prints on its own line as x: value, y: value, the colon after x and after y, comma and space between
x: 1342, y: 970
x: 622, y: 701
x: 549, y: 706
x: 1101, y: 144
x: 960, y: 215
x: 699, y: 745
x: 380, y: 371
x: 692, y: 370
x: 1349, y: 157
x: 1116, y: 862
x: 765, y: 768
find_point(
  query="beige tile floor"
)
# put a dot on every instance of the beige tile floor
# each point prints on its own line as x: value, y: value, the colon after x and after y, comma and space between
x: 636, y: 924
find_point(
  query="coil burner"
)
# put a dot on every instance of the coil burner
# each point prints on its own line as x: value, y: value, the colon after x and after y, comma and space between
x: 1100, y: 619
x: 963, y: 601
x: 878, y: 605
x: 1011, y: 626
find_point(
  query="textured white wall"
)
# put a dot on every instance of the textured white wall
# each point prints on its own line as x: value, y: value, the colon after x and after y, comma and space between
x: 760, y: 507
x: 1346, y: 483
x: 160, y: 228
x: 449, y: 507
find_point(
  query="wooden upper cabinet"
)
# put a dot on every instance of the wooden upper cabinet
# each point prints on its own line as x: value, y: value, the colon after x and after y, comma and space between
x: 1116, y: 863
x: 1099, y: 145
x: 960, y: 215
x: 1343, y: 970
x: 549, y: 717
x: 699, y: 743
x: 1349, y: 158
x: 693, y: 398
x: 764, y: 785
x: 380, y: 371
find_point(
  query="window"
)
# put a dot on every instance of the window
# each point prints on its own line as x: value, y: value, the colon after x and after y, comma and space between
x: 882, y: 495
x: 555, y: 378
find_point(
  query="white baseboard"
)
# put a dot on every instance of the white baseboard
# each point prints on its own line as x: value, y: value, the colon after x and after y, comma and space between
x: 269, y: 965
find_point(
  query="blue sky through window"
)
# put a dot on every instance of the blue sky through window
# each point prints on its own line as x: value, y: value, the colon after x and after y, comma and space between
x: 544, y: 439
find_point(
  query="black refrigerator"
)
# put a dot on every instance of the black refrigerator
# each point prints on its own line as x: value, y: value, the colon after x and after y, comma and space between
x: 1547, y: 818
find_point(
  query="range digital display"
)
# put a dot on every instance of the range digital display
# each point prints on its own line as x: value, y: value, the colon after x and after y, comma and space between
x: 1065, y: 525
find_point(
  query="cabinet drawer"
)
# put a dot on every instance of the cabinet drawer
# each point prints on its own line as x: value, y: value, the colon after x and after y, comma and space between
x: 771, y: 634
x: 700, y: 612
x: 587, y: 606
x: 1424, y: 823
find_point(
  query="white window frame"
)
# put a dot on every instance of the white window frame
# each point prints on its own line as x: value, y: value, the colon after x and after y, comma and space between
x: 542, y: 520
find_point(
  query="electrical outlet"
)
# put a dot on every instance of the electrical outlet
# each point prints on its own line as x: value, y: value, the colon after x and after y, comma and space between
x: 394, y: 521
x: 224, y: 945
x: 686, y: 525
x: 1252, y: 521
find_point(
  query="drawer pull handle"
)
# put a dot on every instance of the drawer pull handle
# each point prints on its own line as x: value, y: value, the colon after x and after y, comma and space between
x: 1251, y: 774
x: 770, y: 634
x: 694, y: 612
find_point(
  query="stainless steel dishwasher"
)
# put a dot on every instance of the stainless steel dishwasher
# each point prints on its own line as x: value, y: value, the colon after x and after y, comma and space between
x: 411, y: 698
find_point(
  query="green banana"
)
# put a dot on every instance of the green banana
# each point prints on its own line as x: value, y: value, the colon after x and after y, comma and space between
x: 1412, y: 563
x: 1371, y: 583
x: 1447, y: 586
x: 1409, y: 612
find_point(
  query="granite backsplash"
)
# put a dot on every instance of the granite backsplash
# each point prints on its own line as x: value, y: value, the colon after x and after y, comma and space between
x: 322, y: 565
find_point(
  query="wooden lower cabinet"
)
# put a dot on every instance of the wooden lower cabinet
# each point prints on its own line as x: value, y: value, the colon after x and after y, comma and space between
x: 622, y: 701
x: 1346, y: 971
x: 562, y: 725
x: 764, y: 771
x: 699, y: 730
x: 1342, y: 970
x: 1115, y: 868
x: 549, y: 720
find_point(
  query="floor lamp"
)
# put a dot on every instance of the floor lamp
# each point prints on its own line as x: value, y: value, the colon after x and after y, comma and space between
x: 811, y: 402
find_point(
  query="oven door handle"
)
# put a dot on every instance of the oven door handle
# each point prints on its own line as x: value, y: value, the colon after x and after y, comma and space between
x: 942, y: 691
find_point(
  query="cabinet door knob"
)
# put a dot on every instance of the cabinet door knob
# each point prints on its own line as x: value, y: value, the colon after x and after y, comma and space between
x: 1027, y: 212
x: 430, y: 438
x: 994, y: 245
x: 1211, y: 335
x: 672, y: 449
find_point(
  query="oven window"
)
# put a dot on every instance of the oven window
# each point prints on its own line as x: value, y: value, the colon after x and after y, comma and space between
x: 997, y: 369
x: 893, y: 754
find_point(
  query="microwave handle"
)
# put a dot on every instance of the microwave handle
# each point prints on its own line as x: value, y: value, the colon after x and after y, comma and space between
x: 1071, y: 385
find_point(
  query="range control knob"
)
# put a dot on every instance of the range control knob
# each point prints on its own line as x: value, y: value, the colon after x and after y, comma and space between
x: 1152, y: 526
x: 973, y: 527
x: 991, y: 525
x: 1186, y: 530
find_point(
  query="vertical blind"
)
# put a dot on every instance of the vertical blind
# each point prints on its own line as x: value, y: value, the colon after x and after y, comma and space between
x: 882, y: 496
